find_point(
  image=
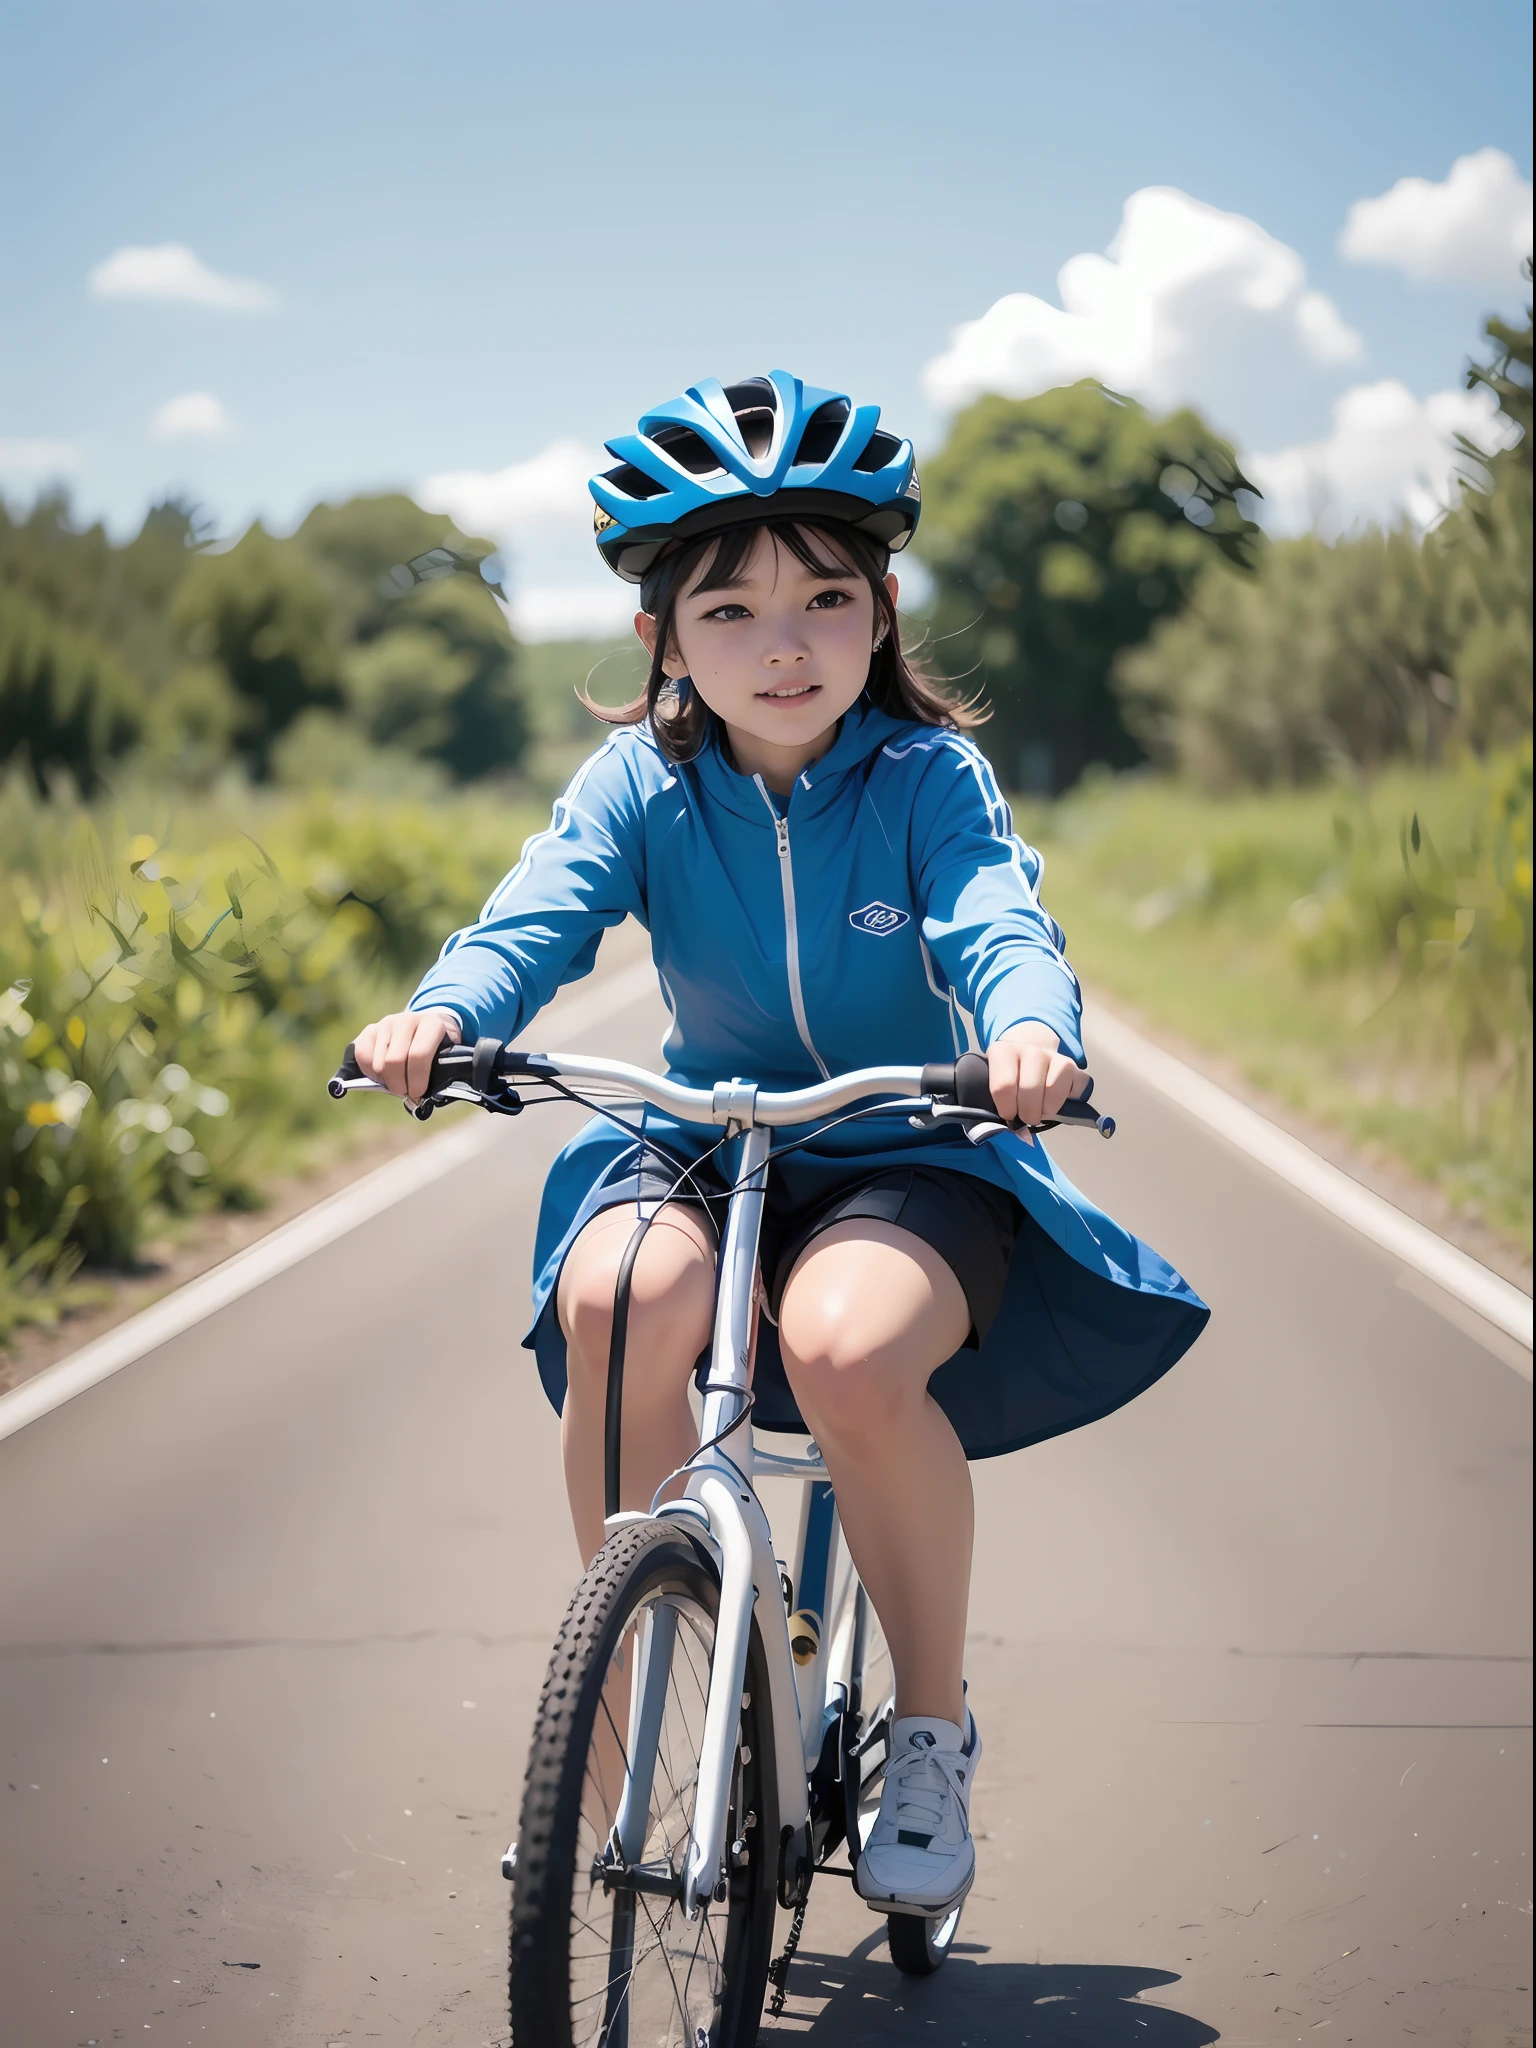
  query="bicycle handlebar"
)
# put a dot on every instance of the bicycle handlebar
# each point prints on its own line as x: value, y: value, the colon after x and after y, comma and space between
x: 948, y: 1091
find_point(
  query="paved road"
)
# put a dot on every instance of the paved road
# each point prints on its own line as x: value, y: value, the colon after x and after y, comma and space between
x: 1252, y: 1658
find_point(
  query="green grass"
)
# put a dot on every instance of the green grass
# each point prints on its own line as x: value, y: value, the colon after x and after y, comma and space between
x: 178, y: 974
x: 177, y: 978
x: 1299, y: 935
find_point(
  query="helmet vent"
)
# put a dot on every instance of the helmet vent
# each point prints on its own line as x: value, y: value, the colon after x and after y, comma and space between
x: 688, y: 450
x: 756, y: 406
x: 883, y: 448
x: 822, y: 431
x: 634, y: 483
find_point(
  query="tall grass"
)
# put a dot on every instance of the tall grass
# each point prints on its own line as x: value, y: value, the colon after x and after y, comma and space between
x: 173, y: 990
x: 1361, y: 951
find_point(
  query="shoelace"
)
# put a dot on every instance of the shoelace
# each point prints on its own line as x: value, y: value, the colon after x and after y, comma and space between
x: 922, y: 1785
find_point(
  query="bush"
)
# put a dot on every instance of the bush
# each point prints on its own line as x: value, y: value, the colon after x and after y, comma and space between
x: 1336, y: 658
x: 1450, y: 922
x: 1330, y: 659
x: 1372, y: 983
x: 168, y: 1012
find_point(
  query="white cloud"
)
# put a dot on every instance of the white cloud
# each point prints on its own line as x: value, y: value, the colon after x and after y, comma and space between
x: 1189, y: 304
x: 33, y: 461
x: 581, y: 612
x: 1387, y: 454
x: 1472, y: 228
x: 171, y: 271
x: 549, y: 487
x: 194, y: 413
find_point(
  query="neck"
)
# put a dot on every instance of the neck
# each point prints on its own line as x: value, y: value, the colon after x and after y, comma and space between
x: 780, y: 767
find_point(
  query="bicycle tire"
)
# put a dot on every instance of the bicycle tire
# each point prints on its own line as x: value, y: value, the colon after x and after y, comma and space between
x: 918, y: 1945
x: 564, y: 1991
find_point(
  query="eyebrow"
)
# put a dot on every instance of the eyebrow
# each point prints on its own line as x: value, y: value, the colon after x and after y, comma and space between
x: 738, y: 581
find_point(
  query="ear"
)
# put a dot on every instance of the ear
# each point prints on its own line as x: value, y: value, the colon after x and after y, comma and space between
x: 645, y: 629
x: 892, y: 589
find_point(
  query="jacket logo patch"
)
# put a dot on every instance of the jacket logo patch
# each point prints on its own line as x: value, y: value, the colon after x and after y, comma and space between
x: 878, y: 919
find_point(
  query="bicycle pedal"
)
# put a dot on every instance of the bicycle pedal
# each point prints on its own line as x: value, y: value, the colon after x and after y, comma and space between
x: 509, y: 1863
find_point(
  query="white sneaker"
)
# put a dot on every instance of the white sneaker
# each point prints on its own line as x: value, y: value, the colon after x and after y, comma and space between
x: 919, y: 1857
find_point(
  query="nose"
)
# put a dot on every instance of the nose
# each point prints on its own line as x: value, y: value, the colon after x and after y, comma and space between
x: 788, y: 651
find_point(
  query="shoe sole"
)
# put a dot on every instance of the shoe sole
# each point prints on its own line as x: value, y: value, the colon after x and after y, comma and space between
x: 938, y: 1911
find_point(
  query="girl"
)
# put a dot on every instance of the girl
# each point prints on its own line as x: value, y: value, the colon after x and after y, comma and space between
x: 830, y: 880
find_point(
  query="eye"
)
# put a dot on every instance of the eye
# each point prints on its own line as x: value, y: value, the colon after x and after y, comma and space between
x: 829, y: 601
x: 727, y: 613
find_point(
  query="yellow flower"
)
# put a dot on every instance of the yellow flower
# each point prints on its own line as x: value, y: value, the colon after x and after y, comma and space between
x: 40, y: 1114
x: 74, y: 1031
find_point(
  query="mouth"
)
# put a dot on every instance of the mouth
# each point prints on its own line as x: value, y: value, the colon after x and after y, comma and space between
x: 790, y: 694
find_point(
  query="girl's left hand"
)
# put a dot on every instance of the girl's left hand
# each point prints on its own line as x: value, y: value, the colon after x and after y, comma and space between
x: 1030, y: 1076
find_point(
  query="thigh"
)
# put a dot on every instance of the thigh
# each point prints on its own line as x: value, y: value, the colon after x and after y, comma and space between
x: 675, y: 1267
x: 864, y: 1291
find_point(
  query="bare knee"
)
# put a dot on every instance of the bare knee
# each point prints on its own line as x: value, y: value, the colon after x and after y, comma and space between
x: 868, y: 1313
x: 846, y: 1388
x: 670, y: 1301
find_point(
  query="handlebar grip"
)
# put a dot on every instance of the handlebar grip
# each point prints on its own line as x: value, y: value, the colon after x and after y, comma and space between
x: 968, y: 1083
x: 965, y: 1081
x: 349, y: 1070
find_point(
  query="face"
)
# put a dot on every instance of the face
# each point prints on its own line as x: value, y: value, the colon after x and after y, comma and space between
x: 778, y: 656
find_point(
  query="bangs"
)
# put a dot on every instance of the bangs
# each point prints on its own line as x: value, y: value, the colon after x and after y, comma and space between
x: 732, y: 550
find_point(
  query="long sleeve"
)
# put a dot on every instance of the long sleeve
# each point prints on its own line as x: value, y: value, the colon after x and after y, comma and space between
x: 542, y: 925
x: 982, y: 919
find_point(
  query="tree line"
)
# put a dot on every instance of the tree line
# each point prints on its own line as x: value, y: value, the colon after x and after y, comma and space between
x: 291, y: 655
x: 1100, y: 579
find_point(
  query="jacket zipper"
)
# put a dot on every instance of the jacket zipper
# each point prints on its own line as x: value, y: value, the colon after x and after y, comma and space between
x: 791, y: 929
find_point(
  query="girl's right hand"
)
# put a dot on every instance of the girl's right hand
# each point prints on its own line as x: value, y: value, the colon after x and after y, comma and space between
x: 398, y: 1049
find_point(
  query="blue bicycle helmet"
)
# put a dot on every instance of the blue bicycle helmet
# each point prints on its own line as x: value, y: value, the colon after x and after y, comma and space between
x: 723, y: 454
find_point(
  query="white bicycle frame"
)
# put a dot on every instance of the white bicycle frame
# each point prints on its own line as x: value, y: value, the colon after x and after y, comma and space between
x: 720, y: 1506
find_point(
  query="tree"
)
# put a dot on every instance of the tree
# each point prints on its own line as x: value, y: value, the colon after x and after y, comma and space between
x: 262, y: 616
x: 434, y: 665
x: 1339, y: 657
x: 66, y: 701
x: 1485, y: 545
x: 1059, y: 530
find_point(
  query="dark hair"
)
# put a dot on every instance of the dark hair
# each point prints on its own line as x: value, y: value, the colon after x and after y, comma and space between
x: 681, y: 720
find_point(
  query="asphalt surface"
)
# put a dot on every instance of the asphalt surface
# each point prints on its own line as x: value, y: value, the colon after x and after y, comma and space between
x: 1251, y: 1659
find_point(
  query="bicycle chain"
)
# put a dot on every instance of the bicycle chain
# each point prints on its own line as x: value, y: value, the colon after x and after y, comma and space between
x: 778, y: 1969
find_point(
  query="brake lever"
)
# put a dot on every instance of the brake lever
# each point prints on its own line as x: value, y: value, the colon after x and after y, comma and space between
x: 981, y: 1124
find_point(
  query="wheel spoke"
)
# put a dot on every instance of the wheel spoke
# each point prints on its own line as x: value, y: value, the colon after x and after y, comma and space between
x: 636, y: 1972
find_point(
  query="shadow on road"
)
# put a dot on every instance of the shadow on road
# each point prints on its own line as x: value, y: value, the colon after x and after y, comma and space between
x: 972, y: 2003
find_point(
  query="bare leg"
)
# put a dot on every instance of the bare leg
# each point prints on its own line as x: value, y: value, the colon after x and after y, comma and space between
x: 869, y: 1312
x: 671, y: 1309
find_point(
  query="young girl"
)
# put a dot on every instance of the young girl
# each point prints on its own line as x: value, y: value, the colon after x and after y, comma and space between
x: 830, y: 880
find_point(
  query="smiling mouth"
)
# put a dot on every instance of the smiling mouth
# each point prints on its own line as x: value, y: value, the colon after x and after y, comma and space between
x: 788, y: 695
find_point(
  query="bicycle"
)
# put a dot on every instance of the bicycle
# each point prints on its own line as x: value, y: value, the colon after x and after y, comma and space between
x: 714, y: 1723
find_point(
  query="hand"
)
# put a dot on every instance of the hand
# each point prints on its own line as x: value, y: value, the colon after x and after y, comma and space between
x: 1030, y: 1076
x: 398, y: 1049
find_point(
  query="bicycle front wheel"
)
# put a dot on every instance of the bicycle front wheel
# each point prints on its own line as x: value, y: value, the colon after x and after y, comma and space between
x: 601, y: 1953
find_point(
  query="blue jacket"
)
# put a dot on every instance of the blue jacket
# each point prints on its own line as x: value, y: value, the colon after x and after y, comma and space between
x: 884, y: 914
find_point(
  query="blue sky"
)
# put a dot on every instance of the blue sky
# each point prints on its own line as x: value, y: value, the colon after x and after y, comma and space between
x: 488, y: 230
